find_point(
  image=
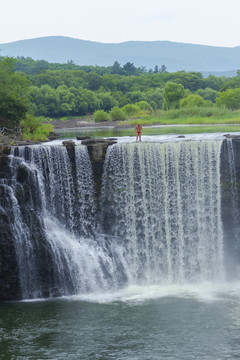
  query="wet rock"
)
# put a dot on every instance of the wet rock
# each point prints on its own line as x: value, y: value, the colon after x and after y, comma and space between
x: 5, y: 149
x: 97, y: 149
x: 70, y: 145
x: 22, y: 174
x: 83, y: 137
x: 231, y: 136
x: 9, y: 278
x: 52, y: 136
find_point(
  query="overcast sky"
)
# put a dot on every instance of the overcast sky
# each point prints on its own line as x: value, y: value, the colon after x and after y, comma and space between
x: 206, y: 22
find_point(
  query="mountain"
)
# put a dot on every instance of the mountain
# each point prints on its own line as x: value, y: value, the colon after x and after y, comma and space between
x: 176, y: 56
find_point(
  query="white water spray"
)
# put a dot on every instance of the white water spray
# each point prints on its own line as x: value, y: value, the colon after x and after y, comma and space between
x: 163, y: 203
x: 160, y: 217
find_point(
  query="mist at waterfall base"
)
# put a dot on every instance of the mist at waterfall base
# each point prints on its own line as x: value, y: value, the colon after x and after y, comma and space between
x: 141, y: 275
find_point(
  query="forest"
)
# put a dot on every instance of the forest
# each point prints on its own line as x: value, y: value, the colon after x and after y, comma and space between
x: 51, y: 90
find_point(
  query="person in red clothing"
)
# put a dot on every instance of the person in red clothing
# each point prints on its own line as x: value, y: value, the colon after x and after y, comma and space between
x: 138, y: 131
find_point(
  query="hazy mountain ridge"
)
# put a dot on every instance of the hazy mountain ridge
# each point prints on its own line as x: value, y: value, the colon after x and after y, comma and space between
x: 176, y: 56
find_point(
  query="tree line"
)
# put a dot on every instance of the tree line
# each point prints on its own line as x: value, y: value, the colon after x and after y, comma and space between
x: 59, y: 90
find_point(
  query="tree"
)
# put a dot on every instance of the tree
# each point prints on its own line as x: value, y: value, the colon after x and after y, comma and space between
x: 207, y: 94
x: 192, y: 100
x: 135, y: 96
x: 155, y: 98
x: 163, y: 69
x: 93, y: 80
x: 144, y: 105
x: 172, y: 95
x: 116, y: 68
x: 100, y: 115
x: 214, y: 82
x: 129, y: 69
x: 107, y: 102
x: 131, y: 109
x: 117, y: 114
x: 14, y: 94
x: 229, y: 98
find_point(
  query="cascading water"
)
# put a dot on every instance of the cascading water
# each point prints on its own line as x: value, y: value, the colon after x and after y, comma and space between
x: 163, y: 203
x: 159, y: 218
x: 53, y: 223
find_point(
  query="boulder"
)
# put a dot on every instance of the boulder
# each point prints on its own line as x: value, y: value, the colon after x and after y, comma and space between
x: 232, y: 136
x: 83, y: 137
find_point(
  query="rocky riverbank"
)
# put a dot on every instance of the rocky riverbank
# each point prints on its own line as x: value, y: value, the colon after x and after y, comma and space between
x: 6, y: 141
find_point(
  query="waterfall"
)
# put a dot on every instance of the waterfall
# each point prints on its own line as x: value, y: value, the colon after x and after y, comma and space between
x: 54, y: 223
x: 163, y: 203
x: 159, y: 219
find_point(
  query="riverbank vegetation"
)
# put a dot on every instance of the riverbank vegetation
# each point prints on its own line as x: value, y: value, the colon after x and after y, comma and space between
x: 34, y: 91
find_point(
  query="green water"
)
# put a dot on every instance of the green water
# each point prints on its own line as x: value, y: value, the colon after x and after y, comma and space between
x: 163, y: 130
x: 166, y: 328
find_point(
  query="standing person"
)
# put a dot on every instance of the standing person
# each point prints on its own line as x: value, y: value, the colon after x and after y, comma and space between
x: 138, y: 131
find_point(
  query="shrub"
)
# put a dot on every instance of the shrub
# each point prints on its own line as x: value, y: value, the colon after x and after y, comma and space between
x: 144, y: 105
x: 117, y: 114
x: 33, y: 128
x: 192, y: 100
x: 131, y: 109
x: 100, y: 115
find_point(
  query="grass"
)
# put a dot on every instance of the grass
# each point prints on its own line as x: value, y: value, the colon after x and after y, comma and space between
x: 188, y: 116
x: 84, y: 118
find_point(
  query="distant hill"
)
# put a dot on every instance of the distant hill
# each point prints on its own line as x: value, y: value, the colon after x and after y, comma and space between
x: 176, y: 56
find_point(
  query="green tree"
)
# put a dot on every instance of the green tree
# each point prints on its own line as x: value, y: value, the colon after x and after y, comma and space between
x: 129, y: 69
x: 131, y: 109
x: 100, y: 115
x: 192, y: 100
x: 172, y: 95
x: 34, y: 128
x: 14, y: 94
x: 163, y: 69
x: 155, y: 98
x: 207, y: 94
x: 107, y: 101
x: 144, y: 105
x: 214, y: 82
x: 135, y: 96
x: 116, y: 68
x: 229, y: 98
x: 117, y: 114
x: 93, y: 80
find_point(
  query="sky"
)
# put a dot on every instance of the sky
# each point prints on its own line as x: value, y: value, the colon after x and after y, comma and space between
x: 205, y: 22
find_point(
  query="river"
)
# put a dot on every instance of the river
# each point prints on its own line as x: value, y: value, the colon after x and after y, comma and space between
x: 200, y: 322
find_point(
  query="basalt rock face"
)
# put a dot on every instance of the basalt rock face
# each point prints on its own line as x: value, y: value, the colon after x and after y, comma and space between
x: 9, y: 279
x: 230, y: 181
x: 22, y: 234
x: 97, y: 149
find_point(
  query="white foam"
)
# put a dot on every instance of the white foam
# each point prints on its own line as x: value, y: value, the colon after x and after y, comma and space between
x: 204, y: 292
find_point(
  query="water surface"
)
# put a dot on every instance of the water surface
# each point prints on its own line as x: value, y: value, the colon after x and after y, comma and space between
x: 175, y: 322
x: 151, y: 130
